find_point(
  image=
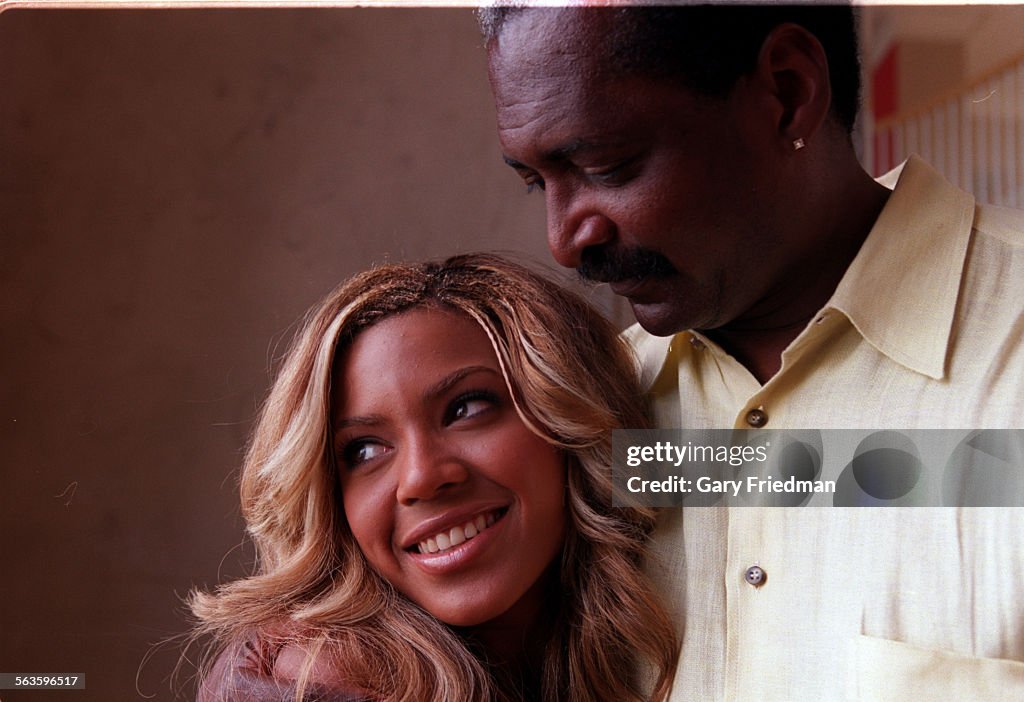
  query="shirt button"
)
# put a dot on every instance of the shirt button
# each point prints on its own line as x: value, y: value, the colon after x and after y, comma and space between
x: 757, y: 417
x: 755, y: 576
x: 696, y: 343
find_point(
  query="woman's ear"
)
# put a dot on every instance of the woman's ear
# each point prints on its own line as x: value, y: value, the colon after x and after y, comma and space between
x: 792, y: 71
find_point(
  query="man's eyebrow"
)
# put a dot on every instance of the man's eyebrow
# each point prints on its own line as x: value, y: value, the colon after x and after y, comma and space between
x: 515, y: 164
x: 555, y: 155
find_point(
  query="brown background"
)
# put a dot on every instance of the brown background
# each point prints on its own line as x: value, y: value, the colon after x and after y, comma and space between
x: 176, y: 187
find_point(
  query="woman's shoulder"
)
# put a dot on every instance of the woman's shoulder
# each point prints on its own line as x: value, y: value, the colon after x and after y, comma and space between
x: 268, y: 666
x: 321, y: 663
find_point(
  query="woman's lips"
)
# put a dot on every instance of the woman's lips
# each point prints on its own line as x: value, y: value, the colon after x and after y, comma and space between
x: 454, y: 546
x: 450, y: 538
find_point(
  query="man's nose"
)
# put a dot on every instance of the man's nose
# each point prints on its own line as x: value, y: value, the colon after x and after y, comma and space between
x: 426, y: 469
x: 571, y: 230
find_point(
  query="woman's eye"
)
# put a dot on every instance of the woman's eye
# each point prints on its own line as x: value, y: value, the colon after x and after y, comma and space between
x: 470, y: 405
x: 360, y: 451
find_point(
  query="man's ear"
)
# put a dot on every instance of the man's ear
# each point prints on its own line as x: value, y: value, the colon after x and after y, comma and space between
x: 793, y: 70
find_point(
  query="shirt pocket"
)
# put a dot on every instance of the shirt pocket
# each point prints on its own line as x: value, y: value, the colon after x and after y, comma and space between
x: 882, y: 670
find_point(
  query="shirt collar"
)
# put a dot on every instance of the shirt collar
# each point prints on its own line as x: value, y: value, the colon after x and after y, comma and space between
x: 901, y: 290
x: 651, y: 353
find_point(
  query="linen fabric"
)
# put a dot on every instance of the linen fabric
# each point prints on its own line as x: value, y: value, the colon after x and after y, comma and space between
x: 925, y: 331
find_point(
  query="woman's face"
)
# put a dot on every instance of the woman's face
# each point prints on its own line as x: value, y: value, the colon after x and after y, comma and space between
x: 448, y: 494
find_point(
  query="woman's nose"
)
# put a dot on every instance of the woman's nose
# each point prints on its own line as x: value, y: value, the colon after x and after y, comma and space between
x: 426, y: 470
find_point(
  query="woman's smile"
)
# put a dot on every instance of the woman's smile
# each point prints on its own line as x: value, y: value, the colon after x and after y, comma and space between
x: 448, y: 493
x: 457, y: 548
x: 427, y: 490
x: 467, y: 529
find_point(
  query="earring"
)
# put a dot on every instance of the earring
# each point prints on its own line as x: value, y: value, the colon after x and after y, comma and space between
x: 798, y: 144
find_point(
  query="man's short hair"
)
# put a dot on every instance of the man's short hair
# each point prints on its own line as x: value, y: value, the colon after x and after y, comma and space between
x: 708, y: 47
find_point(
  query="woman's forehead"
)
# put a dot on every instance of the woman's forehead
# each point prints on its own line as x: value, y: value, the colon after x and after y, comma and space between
x: 409, y: 354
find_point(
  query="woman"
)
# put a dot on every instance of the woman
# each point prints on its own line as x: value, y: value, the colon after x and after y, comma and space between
x: 429, y: 495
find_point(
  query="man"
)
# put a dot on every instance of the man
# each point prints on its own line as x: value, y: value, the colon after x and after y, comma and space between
x: 699, y: 161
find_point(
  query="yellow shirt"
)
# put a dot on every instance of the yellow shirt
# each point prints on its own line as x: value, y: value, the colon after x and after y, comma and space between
x: 925, y: 331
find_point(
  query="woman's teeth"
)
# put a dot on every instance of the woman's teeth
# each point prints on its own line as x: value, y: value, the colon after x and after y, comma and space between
x: 456, y: 535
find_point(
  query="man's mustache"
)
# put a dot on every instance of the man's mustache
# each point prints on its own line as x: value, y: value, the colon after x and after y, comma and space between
x: 601, y: 264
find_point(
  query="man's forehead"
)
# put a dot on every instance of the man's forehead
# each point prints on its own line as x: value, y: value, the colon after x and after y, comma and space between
x: 546, y: 55
x: 533, y: 38
x: 551, y: 110
x: 557, y: 95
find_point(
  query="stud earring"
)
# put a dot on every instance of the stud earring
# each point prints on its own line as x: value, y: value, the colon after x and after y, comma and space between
x: 798, y: 144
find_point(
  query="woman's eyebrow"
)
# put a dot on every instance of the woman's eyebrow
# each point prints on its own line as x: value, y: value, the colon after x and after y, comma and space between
x: 437, y: 389
x: 364, y: 421
x: 452, y: 379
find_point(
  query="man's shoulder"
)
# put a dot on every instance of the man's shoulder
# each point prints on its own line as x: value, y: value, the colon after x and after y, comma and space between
x: 636, y: 335
x: 1004, y: 224
x: 651, y: 352
x: 639, y: 338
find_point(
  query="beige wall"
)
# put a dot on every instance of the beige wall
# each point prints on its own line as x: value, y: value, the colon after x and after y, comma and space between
x: 959, y: 94
x: 942, y: 48
x: 176, y: 187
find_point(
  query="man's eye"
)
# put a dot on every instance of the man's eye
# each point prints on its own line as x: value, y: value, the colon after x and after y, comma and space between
x: 613, y: 174
x: 608, y: 176
x: 470, y: 405
x: 359, y: 451
x: 533, y: 182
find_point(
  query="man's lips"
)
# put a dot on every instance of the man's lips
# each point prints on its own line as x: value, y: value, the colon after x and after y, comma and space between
x: 629, y: 287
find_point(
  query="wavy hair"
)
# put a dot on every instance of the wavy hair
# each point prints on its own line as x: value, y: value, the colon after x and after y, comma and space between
x: 572, y: 381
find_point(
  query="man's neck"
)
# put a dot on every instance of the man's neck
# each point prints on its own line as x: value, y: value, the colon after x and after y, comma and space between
x: 846, y: 215
x: 758, y: 350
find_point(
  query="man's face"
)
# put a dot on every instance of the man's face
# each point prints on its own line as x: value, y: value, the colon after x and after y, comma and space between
x: 668, y: 196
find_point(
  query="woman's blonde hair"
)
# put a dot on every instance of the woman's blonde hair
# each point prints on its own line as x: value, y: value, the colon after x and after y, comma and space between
x: 572, y: 381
